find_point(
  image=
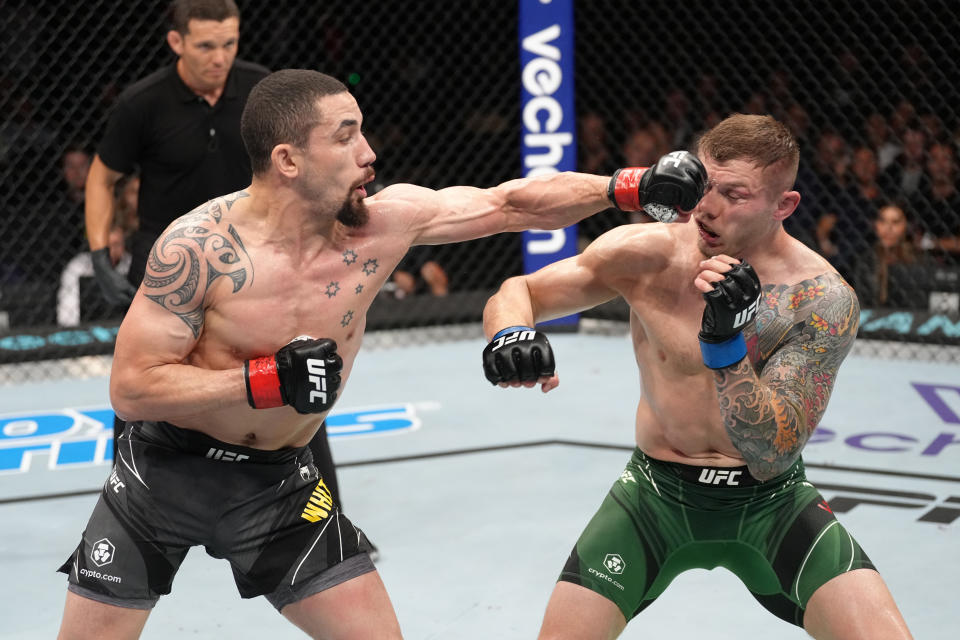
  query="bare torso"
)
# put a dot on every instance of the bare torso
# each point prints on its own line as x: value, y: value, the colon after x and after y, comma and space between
x: 322, y: 290
x: 678, y: 415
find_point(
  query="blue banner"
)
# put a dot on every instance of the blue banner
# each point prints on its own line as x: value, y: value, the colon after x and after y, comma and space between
x: 548, y: 118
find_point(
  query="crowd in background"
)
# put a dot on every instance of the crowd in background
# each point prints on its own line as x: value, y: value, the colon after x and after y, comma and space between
x: 880, y: 195
x: 880, y: 201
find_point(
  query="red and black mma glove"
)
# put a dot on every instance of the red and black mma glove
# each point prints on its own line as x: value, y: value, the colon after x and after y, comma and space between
x: 677, y: 181
x: 304, y: 374
x: 518, y: 354
x: 730, y: 306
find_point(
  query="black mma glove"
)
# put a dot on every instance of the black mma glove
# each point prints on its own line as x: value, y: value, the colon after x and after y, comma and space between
x: 730, y: 306
x: 114, y: 286
x: 304, y: 374
x: 677, y: 181
x: 518, y: 354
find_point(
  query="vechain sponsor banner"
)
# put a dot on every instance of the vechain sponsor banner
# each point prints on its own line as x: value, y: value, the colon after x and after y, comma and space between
x: 548, y: 119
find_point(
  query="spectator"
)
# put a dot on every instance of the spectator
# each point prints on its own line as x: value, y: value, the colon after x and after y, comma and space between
x: 593, y: 146
x: 837, y: 221
x: 893, y: 272
x: 798, y: 121
x: 937, y: 203
x: 73, y: 303
x: 867, y: 192
x: 419, y: 273
x: 903, y: 115
x: 642, y: 148
x: 877, y: 133
x: 905, y: 172
x: 71, y: 306
x: 678, y: 119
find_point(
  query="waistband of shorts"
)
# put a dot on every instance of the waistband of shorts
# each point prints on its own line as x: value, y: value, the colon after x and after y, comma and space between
x: 192, y: 442
x: 717, y: 477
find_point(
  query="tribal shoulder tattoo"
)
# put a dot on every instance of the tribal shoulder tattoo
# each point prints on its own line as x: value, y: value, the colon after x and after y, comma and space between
x: 772, y: 401
x: 196, y: 250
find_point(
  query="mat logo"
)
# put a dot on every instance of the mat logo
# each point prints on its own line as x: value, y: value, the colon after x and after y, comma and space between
x: 67, y: 438
x: 627, y: 477
x: 103, y: 552
x: 942, y: 399
x: 929, y: 507
x: 373, y: 421
x: 614, y: 563
x: 716, y: 476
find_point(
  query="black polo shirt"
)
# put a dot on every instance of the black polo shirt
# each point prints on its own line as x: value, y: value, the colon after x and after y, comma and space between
x: 187, y: 151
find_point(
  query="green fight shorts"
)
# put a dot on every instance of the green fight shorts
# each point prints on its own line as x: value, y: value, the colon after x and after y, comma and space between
x: 661, y: 518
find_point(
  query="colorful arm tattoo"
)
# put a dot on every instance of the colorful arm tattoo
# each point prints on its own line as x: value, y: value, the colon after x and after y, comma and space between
x: 802, y: 334
x: 190, y: 255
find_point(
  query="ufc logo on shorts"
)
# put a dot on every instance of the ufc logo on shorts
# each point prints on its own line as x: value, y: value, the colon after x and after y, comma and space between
x: 747, y: 314
x: 510, y: 338
x: 225, y: 456
x: 318, y: 380
x: 718, y: 476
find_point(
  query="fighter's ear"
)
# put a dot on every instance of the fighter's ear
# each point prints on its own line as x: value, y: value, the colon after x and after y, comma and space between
x: 286, y: 158
x: 786, y: 205
x: 175, y: 40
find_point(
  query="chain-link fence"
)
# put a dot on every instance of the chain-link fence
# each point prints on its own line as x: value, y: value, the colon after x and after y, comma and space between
x: 864, y: 85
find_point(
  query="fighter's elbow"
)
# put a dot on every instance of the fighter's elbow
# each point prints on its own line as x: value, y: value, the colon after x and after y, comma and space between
x: 126, y: 397
x: 767, y: 469
x: 762, y: 473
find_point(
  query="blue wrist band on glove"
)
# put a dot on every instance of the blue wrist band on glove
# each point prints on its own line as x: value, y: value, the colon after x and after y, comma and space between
x: 723, y: 354
x: 510, y: 330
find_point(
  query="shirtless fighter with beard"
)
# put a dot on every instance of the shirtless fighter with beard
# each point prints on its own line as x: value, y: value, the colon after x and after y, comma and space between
x: 242, y: 333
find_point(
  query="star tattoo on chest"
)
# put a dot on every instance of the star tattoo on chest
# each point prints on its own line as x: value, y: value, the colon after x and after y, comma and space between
x: 370, y: 266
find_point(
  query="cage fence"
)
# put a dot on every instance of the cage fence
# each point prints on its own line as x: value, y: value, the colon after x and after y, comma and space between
x: 865, y: 87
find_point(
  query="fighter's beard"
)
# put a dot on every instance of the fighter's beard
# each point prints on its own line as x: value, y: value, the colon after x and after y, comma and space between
x: 353, y: 213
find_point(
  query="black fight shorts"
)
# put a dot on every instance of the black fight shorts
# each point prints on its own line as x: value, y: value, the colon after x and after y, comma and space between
x: 267, y: 512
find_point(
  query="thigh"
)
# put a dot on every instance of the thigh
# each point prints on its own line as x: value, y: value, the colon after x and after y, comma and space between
x: 856, y: 604
x: 119, y: 560
x: 88, y: 619
x: 620, y: 553
x: 356, y: 609
x: 292, y: 543
x: 577, y: 612
x: 805, y: 546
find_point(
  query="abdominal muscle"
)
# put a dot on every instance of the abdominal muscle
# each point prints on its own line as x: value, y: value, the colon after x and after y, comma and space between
x: 678, y: 420
x: 268, y: 429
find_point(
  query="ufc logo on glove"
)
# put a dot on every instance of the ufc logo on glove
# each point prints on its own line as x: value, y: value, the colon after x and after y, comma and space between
x: 747, y: 314
x: 510, y: 338
x: 318, y: 379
